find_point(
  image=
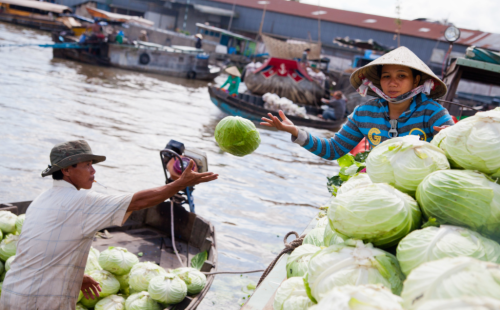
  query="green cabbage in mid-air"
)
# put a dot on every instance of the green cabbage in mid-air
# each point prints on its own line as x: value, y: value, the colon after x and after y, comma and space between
x: 404, y: 162
x: 8, y: 246
x: 142, y: 273
x: 451, y: 278
x: 237, y: 136
x: 376, y: 213
x: 112, y: 302
x: 109, y: 284
x: 473, y: 143
x: 167, y: 288
x: 352, y: 263
x: 297, y: 262
x: 360, y: 297
x: 19, y: 222
x: 117, y: 260
x: 141, y: 301
x: 462, y: 198
x: 292, y: 295
x: 464, y: 303
x: 195, y: 280
x: 7, y: 222
x: 433, y: 243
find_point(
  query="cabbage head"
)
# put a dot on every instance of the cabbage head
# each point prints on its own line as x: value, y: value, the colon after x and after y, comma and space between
x: 7, y: 222
x: 195, y: 280
x: 404, y: 162
x: 292, y: 295
x: 451, y: 278
x: 360, y: 297
x: 8, y: 262
x: 112, y: 302
x: 352, y: 263
x: 237, y: 136
x: 474, y: 143
x: 92, y: 261
x: 433, y: 243
x: 109, y: 284
x: 296, y: 263
x: 332, y: 237
x: 376, y: 213
x: 322, y: 222
x: 141, y: 301
x: 8, y: 246
x: 124, y: 284
x: 362, y: 179
x: 315, y: 236
x: 79, y: 306
x: 168, y: 289
x: 117, y: 260
x: 464, y: 303
x: 19, y: 222
x: 80, y: 296
x: 462, y: 198
x: 142, y: 273
x: 89, y: 303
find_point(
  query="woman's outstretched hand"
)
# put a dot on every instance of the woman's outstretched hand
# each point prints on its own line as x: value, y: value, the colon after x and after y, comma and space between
x: 284, y: 125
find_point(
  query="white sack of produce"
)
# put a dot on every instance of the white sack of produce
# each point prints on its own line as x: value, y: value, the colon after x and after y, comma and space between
x: 167, y: 289
x: 19, y: 223
x: 404, y: 162
x: 376, y: 213
x: 360, y: 297
x: 92, y: 261
x: 7, y: 222
x: 8, y: 247
x: 109, y: 284
x: 352, y: 263
x: 195, y: 280
x: 462, y: 198
x: 297, y: 262
x: 451, y: 278
x: 465, y: 303
x: 275, y: 103
x: 112, y: 302
x: 142, y: 273
x: 433, y: 243
x: 292, y: 295
x: 141, y: 301
x: 473, y: 143
x: 359, y: 180
x: 117, y: 260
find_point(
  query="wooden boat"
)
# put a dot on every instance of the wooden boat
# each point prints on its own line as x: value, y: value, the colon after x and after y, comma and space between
x: 252, y: 107
x: 148, y: 231
x: 96, y: 54
x: 37, y: 14
x: 286, y: 78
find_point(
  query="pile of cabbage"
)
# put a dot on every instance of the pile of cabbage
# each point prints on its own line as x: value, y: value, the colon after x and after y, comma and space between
x: 11, y: 226
x: 418, y: 231
x: 129, y: 284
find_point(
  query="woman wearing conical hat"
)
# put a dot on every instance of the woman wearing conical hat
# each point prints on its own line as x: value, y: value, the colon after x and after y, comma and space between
x: 233, y: 80
x: 406, y: 89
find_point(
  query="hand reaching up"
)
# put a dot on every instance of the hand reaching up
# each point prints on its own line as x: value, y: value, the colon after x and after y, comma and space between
x: 284, y: 125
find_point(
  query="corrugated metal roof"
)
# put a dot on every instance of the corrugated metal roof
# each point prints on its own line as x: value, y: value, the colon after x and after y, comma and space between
x: 415, y: 28
x: 44, y: 6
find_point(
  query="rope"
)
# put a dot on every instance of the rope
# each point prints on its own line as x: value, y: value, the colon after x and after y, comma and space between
x: 232, y: 272
x: 172, y: 230
x: 289, y: 247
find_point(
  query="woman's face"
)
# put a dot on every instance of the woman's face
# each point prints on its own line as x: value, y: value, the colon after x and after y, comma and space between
x: 397, y: 80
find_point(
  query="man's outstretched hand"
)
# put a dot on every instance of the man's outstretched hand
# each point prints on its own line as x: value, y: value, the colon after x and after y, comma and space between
x: 284, y: 125
x: 90, y: 287
x: 191, y: 178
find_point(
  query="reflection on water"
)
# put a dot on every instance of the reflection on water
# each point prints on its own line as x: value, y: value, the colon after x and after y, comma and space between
x: 129, y: 117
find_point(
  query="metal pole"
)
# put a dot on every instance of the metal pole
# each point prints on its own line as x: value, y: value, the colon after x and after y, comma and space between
x: 185, y: 15
x: 319, y: 22
x: 262, y: 21
x: 231, y: 19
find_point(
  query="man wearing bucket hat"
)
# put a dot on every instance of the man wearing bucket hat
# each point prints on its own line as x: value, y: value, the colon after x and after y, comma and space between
x: 234, y: 80
x: 52, y: 251
x: 406, y: 88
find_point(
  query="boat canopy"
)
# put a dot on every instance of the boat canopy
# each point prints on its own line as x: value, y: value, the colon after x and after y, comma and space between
x: 291, y: 49
x: 119, y: 17
x: 223, y: 31
x: 43, y: 6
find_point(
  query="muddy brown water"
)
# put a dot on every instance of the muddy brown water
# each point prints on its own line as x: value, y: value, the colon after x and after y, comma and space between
x: 129, y: 116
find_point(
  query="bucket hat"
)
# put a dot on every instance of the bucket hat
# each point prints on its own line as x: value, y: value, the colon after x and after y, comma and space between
x: 233, y: 71
x: 69, y: 153
x: 400, y: 56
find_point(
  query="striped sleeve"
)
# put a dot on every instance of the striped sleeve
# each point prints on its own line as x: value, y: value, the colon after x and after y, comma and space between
x: 343, y: 141
x: 440, y: 117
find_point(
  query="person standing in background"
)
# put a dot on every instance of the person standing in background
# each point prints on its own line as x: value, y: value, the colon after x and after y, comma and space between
x: 233, y: 80
x: 199, y: 39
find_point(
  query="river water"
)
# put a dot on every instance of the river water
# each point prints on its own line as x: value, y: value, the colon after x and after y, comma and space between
x: 130, y: 116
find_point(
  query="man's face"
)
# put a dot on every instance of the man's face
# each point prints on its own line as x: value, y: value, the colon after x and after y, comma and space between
x: 81, y: 176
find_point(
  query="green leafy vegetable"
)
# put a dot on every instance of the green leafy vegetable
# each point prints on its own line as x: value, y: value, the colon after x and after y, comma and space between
x: 199, y: 259
x: 237, y: 136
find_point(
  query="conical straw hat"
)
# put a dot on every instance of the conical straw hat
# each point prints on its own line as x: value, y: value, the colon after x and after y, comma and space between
x: 400, y: 56
x: 233, y: 71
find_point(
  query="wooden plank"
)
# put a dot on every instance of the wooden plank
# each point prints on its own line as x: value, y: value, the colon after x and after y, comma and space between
x: 9, y: 207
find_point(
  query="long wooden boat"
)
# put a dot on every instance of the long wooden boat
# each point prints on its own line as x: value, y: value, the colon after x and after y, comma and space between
x: 148, y: 231
x: 252, y: 107
x: 37, y: 14
x: 286, y: 78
